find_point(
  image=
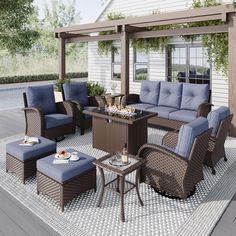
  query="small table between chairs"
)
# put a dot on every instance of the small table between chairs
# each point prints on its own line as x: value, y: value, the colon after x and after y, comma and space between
x: 119, y: 184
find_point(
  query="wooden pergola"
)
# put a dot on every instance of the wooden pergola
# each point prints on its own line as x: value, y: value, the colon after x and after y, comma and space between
x: 136, y: 27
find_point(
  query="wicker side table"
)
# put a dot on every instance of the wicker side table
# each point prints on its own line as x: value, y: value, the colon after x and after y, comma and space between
x: 118, y: 184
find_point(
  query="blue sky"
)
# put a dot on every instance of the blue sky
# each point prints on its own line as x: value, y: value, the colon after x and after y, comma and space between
x: 89, y: 9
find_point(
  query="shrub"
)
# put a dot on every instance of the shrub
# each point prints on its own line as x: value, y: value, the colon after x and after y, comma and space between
x: 95, y: 89
x: 58, y: 84
x: 42, y: 77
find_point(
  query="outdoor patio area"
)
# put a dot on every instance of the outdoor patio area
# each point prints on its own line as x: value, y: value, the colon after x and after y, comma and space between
x: 196, y: 215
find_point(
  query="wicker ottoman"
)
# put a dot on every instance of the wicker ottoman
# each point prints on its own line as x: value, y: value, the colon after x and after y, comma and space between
x: 21, y: 160
x: 63, y: 182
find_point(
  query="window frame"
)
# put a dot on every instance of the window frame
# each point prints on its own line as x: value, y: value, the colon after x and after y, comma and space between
x: 187, y: 47
x: 113, y: 63
x: 135, y: 63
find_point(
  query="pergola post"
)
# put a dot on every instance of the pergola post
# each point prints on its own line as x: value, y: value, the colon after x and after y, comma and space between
x: 125, y: 63
x: 232, y: 71
x: 62, y: 58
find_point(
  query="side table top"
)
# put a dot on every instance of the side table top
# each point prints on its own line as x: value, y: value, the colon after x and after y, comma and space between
x: 104, y: 163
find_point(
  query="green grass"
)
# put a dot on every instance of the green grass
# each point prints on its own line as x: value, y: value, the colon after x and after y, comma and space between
x: 39, y: 64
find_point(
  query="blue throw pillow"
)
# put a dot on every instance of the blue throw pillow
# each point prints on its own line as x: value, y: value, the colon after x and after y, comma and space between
x: 42, y: 97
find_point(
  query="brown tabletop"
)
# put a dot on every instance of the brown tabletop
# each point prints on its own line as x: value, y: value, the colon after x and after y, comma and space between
x: 119, y: 184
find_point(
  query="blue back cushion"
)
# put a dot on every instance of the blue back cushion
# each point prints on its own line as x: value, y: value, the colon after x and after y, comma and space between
x: 188, y: 133
x: 194, y: 95
x: 170, y: 94
x: 42, y: 97
x: 215, y: 117
x: 149, y: 92
x: 77, y: 92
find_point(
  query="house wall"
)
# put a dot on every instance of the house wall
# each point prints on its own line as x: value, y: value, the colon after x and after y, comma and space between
x: 99, y: 66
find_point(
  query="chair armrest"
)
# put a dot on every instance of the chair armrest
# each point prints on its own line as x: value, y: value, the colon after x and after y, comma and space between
x: 35, y: 122
x: 170, y: 139
x: 149, y: 149
x: 65, y: 108
x: 204, y: 109
x: 130, y: 99
x: 77, y: 105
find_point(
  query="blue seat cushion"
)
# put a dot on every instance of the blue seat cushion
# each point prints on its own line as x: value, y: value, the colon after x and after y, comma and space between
x: 215, y: 117
x: 56, y: 119
x: 89, y: 108
x: 67, y: 171
x: 170, y: 94
x: 194, y: 95
x: 187, y: 135
x: 42, y: 97
x: 25, y: 153
x: 77, y: 92
x: 183, y: 115
x: 149, y: 92
x: 141, y: 106
x: 162, y: 112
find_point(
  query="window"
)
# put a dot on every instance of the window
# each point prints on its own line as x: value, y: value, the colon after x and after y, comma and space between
x: 115, y: 65
x: 140, y: 66
x: 188, y: 64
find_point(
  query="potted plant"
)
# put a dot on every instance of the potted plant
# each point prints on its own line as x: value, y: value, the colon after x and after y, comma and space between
x: 57, y: 88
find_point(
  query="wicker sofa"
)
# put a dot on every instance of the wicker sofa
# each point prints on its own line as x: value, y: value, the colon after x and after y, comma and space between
x: 174, y: 103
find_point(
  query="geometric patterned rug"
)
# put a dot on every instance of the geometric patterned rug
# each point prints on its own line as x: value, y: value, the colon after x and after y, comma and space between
x: 159, y: 216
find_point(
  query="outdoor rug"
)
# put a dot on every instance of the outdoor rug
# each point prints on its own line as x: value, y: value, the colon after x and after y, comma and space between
x: 159, y: 216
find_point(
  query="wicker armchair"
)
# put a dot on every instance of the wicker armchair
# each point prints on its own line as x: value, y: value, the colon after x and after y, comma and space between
x: 166, y: 170
x: 220, y: 121
x: 77, y: 94
x: 44, y: 117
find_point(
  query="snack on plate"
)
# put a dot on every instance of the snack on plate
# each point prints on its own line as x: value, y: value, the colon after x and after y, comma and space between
x: 62, y: 154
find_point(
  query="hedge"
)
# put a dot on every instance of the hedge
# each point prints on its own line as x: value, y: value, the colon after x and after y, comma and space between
x: 43, y: 77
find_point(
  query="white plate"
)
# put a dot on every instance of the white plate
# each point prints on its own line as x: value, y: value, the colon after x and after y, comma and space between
x: 62, y: 158
x: 74, y: 159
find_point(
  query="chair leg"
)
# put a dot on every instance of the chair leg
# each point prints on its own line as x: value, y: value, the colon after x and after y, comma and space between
x: 59, y: 139
x: 213, y: 170
x: 225, y: 158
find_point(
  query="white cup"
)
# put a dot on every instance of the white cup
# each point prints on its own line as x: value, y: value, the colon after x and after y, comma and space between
x: 74, y: 155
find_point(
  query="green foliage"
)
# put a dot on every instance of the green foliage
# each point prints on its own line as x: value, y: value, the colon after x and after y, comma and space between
x: 104, y: 47
x: 95, y: 89
x: 59, y: 82
x: 43, y: 77
x: 16, y: 33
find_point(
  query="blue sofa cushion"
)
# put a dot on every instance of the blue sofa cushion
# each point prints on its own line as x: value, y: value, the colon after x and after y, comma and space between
x: 187, y: 135
x: 170, y: 94
x: 42, y: 97
x: 215, y: 117
x: 162, y: 112
x: 54, y: 120
x: 25, y: 153
x: 183, y: 115
x: 149, y: 92
x: 194, y: 95
x: 76, y: 91
x: 141, y: 106
x: 64, y: 172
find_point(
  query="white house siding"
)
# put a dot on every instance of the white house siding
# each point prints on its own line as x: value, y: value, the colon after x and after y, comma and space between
x: 99, y: 66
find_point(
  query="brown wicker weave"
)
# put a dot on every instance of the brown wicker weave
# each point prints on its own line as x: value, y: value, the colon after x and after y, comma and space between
x: 35, y: 122
x: 203, y: 110
x: 216, y: 149
x: 168, y: 172
x: 24, y: 169
x: 65, y: 192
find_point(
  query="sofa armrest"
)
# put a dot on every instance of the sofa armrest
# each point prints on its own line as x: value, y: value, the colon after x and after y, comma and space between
x: 130, y: 99
x: 35, y: 122
x: 204, y: 109
x: 170, y: 139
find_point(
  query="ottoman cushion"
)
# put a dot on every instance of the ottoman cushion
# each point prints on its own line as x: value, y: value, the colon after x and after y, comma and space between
x: 64, y: 172
x: 24, y: 153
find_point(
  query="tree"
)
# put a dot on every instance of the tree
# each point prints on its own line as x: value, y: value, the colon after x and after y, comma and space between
x: 16, y: 33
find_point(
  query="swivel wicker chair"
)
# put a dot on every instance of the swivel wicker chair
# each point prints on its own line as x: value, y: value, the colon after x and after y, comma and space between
x: 44, y: 117
x: 219, y: 121
x: 176, y: 166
